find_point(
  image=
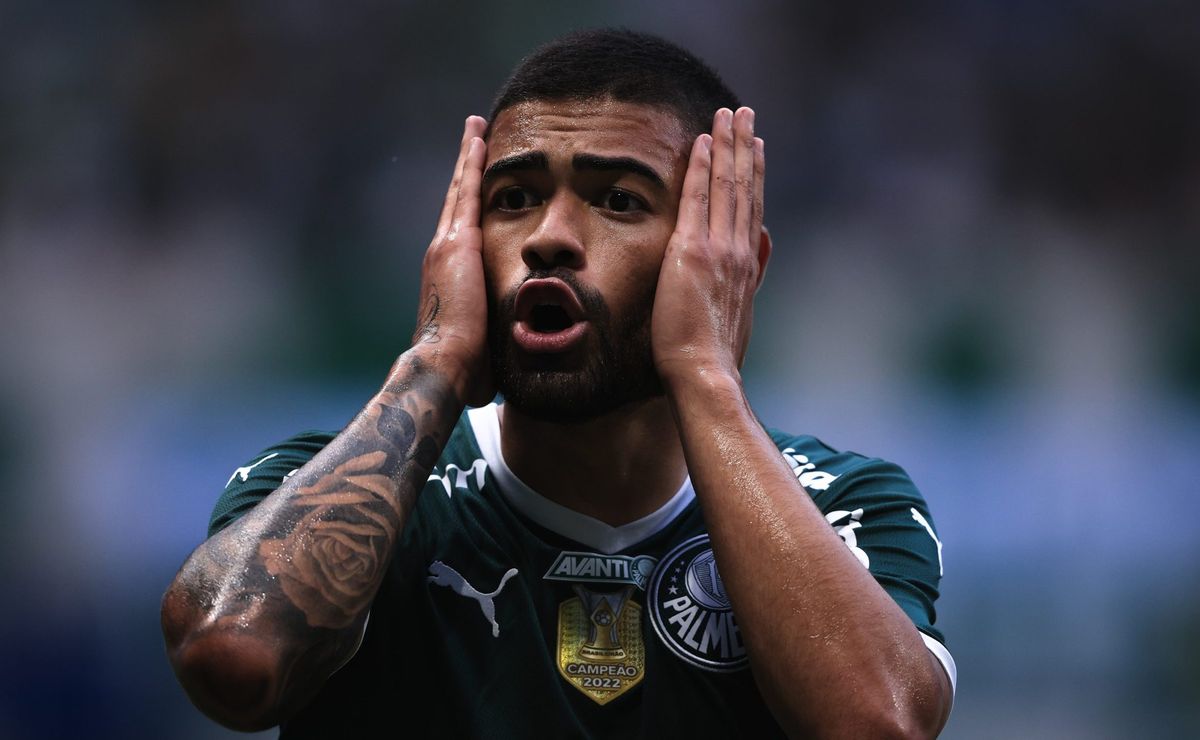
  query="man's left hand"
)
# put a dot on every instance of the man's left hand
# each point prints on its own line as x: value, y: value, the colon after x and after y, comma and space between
x: 714, y: 261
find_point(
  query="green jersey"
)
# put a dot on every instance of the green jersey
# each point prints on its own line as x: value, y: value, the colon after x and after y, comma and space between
x: 504, y: 614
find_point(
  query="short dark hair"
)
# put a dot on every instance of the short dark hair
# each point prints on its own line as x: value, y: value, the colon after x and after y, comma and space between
x: 623, y: 65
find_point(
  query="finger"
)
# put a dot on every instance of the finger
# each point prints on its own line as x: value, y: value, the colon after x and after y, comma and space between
x: 722, y: 189
x: 743, y: 171
x: 760, y: 179
x: 466, y: 206
x: 692, y: 221
x: 474, y: 126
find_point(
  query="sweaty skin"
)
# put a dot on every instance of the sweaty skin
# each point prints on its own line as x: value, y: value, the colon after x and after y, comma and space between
x: 264, y: 611
x: 832, y: 653
x: 624, y: 464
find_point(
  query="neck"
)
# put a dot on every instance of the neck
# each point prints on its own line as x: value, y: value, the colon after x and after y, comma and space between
x: 616, y: 468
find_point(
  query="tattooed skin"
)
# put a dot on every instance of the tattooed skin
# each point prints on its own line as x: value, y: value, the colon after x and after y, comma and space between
x: 310, y: 557
x: 427, y: 328
x: 330, y: 562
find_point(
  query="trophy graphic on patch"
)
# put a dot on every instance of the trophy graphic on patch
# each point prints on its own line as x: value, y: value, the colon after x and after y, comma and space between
x: 603, y: 611
x: 601, y: 650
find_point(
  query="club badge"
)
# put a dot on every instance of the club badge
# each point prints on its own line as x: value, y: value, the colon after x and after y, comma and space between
x: 690, y: 610
x: 600, y: 648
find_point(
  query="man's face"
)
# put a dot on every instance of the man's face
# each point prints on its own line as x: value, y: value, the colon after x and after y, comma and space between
x: 579, y: 200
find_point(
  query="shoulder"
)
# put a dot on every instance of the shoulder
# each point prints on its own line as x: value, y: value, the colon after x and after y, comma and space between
x: 830, y: 475
x: 877, y: 510
x: 252, y: 481
x: 262, y: 473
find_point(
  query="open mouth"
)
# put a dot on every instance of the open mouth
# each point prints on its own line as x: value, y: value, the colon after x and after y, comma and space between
x: 549, y: 317
x: 547, y: 305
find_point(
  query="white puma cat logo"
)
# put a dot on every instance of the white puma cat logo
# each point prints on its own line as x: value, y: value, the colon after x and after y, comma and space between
x: 443, y: 575
x: 244, y: 473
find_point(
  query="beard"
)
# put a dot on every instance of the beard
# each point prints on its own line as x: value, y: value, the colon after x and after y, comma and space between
x: 615, y: 366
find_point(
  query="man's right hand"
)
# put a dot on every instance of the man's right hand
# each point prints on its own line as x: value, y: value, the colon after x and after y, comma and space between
x: 452, y: 317
x: 266, y: 609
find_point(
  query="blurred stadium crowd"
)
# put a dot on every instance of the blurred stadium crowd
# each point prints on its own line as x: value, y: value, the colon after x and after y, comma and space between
x: 987, y: 228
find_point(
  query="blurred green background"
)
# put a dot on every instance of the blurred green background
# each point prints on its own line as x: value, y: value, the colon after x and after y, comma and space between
x: 987, y: 229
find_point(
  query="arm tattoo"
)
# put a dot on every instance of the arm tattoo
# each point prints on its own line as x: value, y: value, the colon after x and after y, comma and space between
x: 330, y: 560
x: 427, y: 329
x: 305, y: 564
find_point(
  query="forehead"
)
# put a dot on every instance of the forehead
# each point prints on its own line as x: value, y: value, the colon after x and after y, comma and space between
x: 604, y: 127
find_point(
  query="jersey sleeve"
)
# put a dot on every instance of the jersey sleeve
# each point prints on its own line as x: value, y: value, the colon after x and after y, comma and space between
x: 262, y: 474
x: 883, y: 519
x: 878, y: 512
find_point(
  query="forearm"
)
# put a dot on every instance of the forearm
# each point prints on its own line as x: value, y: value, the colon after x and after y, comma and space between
x: 264, y: 611
x: 833, y: 654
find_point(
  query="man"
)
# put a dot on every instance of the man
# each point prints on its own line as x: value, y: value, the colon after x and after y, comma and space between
x: 547, y: 567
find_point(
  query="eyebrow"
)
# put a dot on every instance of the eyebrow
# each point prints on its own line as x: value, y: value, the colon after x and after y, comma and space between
x: 516, y: 163
x: 580, y: 162
x: 624, y: 164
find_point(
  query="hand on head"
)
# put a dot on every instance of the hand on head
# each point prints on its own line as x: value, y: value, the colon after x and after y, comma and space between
x: 714, y: 262
x: 452, y: 317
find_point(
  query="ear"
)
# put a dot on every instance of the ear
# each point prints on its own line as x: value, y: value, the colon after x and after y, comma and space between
x: 764, y: 254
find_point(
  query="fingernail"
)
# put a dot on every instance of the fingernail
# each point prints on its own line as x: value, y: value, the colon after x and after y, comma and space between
x: 706, y: 142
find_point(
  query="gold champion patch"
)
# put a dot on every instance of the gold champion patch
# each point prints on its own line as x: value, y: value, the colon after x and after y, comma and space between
x: 600, y: 648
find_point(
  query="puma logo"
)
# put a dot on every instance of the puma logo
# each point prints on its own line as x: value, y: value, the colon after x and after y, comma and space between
x: 443, y: 575
x: 244, y: 472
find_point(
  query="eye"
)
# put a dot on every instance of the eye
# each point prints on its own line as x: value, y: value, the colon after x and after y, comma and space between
x: 515, y: 198
x: 619, y: 201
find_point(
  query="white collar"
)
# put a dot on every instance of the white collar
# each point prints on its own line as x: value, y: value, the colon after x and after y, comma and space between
x: 557, y: 518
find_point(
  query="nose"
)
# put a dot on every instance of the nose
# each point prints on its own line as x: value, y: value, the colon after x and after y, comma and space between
x: 556, y: 241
